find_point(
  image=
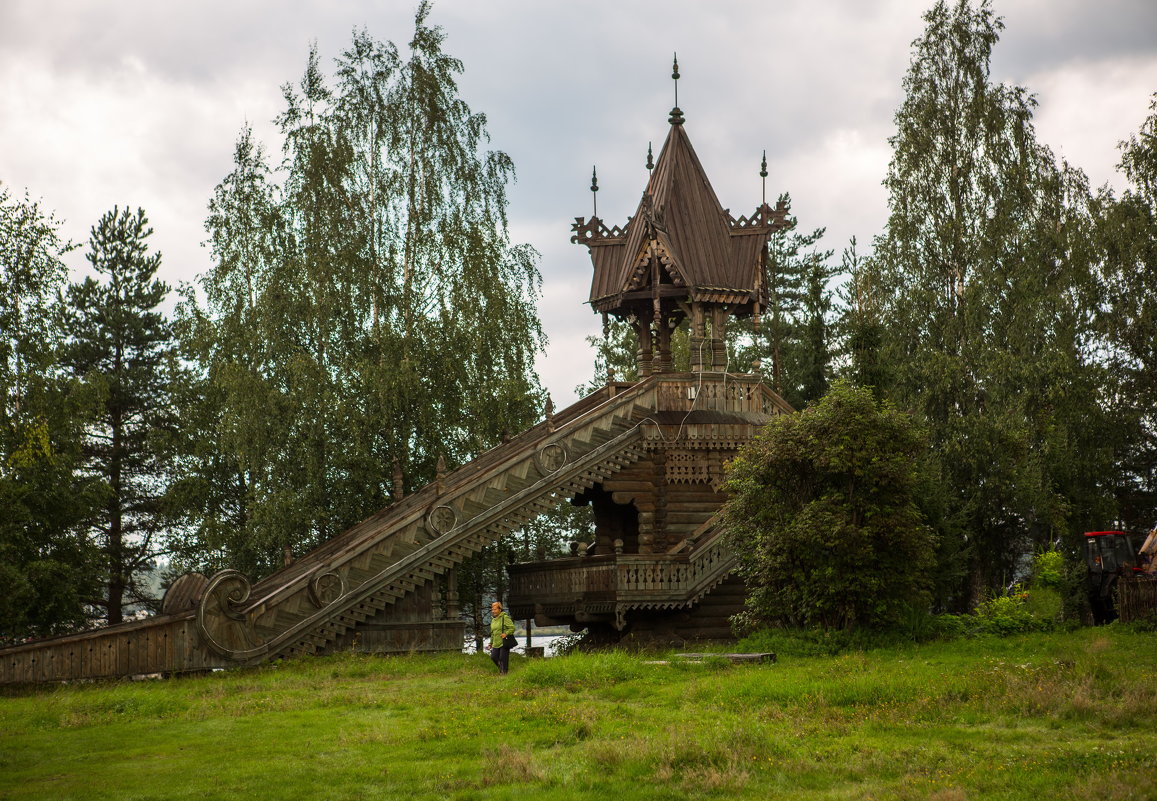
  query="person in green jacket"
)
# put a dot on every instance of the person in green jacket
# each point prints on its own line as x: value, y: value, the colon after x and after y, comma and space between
x: 501, y: 637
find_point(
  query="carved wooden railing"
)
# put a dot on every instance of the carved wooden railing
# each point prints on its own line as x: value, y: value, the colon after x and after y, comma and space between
x: 310, y: 604
x: 240, y: 635
x: 351, y: 578
x: 619, y: 583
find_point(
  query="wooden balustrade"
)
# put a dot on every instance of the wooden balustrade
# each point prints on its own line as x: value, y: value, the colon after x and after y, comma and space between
x: 624, y: 579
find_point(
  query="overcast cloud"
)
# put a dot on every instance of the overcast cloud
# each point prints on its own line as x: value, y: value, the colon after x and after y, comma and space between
x: 139, y: 103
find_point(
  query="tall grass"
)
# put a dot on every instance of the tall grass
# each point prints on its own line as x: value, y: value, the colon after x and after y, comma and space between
x: 1066, y: 716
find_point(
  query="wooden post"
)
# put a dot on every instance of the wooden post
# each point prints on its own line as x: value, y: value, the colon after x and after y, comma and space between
x: 664, y: 365
x: 645, y: 354
x: 696, y: 338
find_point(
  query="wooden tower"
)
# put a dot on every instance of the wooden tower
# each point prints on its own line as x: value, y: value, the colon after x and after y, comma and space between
x: 682, y: 256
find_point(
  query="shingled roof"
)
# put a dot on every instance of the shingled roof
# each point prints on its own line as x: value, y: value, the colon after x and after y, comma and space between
x: 702, y: 249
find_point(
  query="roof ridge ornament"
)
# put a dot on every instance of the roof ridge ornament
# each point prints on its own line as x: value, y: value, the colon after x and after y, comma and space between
x: 594, y: 190
x: 676, y: 117
x: 763, y: 176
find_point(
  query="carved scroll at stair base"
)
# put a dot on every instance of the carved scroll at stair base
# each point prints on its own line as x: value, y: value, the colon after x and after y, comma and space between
x: 222, y: 624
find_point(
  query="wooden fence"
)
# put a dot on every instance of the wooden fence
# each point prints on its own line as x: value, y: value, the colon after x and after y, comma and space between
x: 1136, y: 598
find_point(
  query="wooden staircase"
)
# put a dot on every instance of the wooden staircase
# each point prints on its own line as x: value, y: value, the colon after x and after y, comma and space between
x: 309, y: 605
x: 385, y: 567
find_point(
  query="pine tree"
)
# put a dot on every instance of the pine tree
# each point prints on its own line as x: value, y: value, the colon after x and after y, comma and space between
x: 121, y: 346
x: 47, y: 567
x: 794, y: 344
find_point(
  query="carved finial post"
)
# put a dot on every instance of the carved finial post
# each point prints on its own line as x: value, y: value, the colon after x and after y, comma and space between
x: 549, y: 413
x: 399, y: 481
x: 440, y: 473
x: 676, y: 115
x: 763, y: 176
x: 595, y: 191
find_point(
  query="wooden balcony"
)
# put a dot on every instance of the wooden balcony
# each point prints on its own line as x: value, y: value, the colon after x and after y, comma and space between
x: 606, y: 588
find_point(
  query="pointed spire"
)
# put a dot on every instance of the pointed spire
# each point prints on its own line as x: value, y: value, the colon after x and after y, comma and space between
x: 676, y: 117
x: 650, y: 159
x: 594, y: 190
x: 763, y: 175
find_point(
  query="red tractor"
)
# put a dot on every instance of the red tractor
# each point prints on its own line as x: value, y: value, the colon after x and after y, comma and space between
x: 1109, y: 556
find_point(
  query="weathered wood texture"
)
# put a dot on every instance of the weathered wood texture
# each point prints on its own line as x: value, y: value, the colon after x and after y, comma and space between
x: 156, y: 645
x: 1136, y: 598
x: 378, y: 578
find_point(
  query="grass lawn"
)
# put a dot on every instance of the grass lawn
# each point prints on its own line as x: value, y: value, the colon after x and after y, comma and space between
x: 1042, y: 717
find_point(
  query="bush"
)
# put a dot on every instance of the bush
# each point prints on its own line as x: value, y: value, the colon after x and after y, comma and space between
x: 822, y: 516
x: 952, y: 627
x: 1009, y: 614
x: 1048, y: 570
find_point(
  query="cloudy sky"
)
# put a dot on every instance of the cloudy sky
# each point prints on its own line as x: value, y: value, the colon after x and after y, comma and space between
x: 139, y: 103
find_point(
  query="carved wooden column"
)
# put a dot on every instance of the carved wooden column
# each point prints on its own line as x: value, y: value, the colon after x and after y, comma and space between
x: 696, y: 339
x: 718, y: 338
x: 645, y: 354
x: 659, y: 477
x: 664, y: 365
x: 452, y: 608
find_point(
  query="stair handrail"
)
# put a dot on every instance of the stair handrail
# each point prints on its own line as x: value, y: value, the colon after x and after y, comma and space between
x: 352, y: 543
x: 370, y: 585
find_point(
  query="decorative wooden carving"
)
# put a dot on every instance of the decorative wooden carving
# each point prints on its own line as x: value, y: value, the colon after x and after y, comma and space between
x: 441, y: 519
x: 550, y: 457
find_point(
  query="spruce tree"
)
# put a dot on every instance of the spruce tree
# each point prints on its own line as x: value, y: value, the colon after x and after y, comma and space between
x: 860, y: 327
x: 120, y: 345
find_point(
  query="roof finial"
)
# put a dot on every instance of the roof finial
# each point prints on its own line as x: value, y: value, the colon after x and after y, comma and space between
x: 650, y: 166
x: 676, y: 117
x: 763, y: 176
x: 594, y: 189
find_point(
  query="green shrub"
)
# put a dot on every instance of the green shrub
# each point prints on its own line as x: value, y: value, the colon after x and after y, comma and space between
x: 1045, y: 604
x: 1048, y: 570
x: 1008, y: 614
x: 951, y: 627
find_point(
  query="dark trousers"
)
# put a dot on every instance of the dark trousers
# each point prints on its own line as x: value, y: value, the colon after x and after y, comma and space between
x: 501, y: 658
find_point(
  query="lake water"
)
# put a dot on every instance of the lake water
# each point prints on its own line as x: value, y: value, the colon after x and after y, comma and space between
x: 545, y: 641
